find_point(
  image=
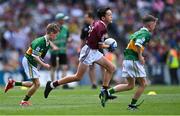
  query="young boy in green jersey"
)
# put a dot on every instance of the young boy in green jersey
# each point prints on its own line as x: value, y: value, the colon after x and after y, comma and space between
x: 133, y: 63
x: 32, y: 59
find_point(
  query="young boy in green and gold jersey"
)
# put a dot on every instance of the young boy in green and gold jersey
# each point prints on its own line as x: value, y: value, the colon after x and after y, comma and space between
x: 33, y: 59
x: 133, y: 63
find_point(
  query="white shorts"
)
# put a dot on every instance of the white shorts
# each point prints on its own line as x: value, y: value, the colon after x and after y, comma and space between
x: 89, y: 56
x: 133, y: 69
x: 31, y: 71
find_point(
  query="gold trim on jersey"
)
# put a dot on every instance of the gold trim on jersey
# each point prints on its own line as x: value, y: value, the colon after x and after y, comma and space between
x: 29, y: 51
x: 133, y: 47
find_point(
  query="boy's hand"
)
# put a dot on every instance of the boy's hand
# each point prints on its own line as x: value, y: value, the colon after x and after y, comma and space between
x: 55, y: 48
x: 47, y: 66
x: 111, y: 47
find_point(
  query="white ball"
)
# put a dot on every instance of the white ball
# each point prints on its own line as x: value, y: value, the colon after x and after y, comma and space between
x: 109, y: 41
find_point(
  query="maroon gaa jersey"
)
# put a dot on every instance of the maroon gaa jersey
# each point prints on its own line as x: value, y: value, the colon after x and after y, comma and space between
x: 96, y: 32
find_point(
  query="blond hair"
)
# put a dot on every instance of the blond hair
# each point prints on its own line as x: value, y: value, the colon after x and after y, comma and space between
x: 52, y: 28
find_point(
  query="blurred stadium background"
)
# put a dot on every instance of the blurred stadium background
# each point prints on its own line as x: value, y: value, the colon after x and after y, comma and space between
x: 23, y: 20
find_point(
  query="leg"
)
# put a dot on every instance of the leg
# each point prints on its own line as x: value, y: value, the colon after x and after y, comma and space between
x: 118, y: 88
x: 109, y: 70
x: 142, y: 85
x: 124, y: 87
x: 30, y: 92
x: 11, y: 83
x: 76, y: 77
x: 27, y: 83
x: 34, y: 87
x: 92, y: 76
x: 102, y: 71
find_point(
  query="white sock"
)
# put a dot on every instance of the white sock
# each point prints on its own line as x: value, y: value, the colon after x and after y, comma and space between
x: 108, y: 92
x: 51, y: 85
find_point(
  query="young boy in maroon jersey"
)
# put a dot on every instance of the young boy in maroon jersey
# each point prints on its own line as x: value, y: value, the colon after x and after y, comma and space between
x: 90, y: 54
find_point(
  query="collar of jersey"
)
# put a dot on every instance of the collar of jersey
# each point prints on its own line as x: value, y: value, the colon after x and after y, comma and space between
x: 144, y: 28
x: 47, y: 40
x: 103, y: 23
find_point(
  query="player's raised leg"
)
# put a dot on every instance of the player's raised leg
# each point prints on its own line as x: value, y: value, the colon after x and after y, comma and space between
x: 109, y: 70
x: 123, y: 87
x: 11, y: 83
x: 76, y: 77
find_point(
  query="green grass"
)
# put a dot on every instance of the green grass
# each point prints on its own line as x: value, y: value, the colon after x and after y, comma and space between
x: 85, y: 101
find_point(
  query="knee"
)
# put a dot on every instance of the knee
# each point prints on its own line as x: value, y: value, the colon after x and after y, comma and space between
x: 113, y: 69
x: 37, y: 84
x: 77, y: 78
x: 131, y: 86
x: 31, y: 84
x: 144, y: 85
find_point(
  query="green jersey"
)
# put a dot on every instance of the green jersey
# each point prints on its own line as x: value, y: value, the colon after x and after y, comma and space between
x: 61, y: 40
x: 38, y: 47
x: 139, y: 38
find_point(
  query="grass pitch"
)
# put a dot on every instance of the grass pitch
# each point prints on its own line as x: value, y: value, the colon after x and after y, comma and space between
x: 84, y: 101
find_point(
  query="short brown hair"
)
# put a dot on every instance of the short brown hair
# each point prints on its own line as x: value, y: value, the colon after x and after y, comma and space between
x: 149, y: 18
x: 101, y: 12
x: 52, y: 28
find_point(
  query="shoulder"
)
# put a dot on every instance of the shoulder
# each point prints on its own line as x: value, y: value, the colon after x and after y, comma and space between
x: 38, y: 40
x: 99, y: 25
x: 65, y: 27
x: 142, y: 33
x: 146, y: 35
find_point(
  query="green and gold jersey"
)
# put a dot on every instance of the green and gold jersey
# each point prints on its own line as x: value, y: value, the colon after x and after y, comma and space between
x: 139, y: 38
x: 61, y: 40
x: 38, y: 47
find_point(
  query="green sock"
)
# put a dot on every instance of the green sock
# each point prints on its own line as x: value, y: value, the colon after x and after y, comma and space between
x: 26, y: 98
x: 18, y: 83
x: 133, y: 101
x: 111, y: 91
